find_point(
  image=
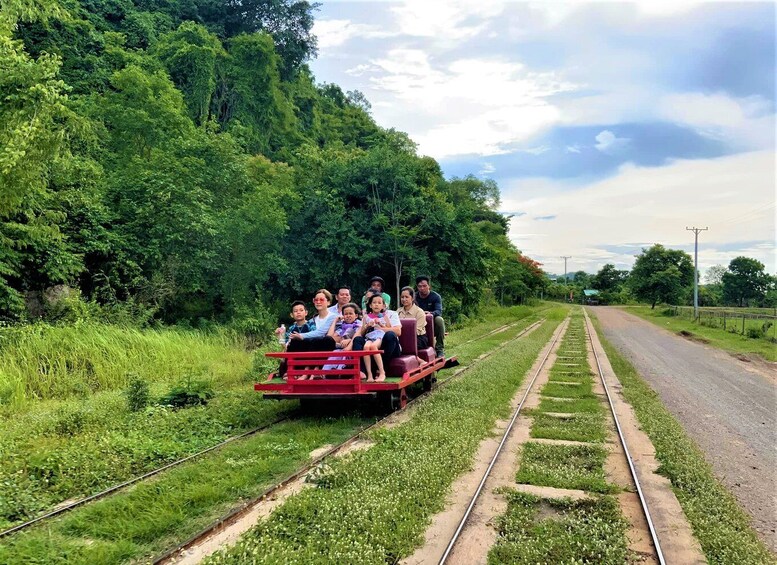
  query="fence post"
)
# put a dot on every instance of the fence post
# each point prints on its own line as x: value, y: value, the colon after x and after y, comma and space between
x: 724, y: 320
x: 743, y: 324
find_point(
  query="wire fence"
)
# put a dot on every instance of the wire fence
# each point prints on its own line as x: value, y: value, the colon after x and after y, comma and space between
x: 754, y: 324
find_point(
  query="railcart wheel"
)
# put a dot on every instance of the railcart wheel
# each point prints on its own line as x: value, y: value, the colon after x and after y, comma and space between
x: 428, y: 383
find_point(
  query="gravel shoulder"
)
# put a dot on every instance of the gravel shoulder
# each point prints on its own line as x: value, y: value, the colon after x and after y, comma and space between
x: 728, y: 408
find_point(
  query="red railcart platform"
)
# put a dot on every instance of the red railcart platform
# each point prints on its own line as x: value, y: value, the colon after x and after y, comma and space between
x: 335, y: 374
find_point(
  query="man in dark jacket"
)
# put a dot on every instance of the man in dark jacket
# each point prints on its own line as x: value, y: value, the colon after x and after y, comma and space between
x: 431, y: 302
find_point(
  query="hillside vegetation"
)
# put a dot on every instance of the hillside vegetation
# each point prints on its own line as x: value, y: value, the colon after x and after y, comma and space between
x: 178, y: 162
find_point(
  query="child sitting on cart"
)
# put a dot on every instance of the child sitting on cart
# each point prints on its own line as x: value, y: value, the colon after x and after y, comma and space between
x: 299, y: 313
x: 342, y: 331
x: 374, y: 328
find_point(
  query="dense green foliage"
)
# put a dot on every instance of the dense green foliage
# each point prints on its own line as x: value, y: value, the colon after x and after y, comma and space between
x: 176, y: 161
x: 745, y: 281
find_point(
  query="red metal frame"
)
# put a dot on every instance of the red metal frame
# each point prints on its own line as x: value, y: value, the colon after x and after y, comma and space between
x: 339, y: 383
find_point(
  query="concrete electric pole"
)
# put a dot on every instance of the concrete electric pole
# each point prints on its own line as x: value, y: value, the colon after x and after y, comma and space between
x: 696, y: 231
x: 565, y: 267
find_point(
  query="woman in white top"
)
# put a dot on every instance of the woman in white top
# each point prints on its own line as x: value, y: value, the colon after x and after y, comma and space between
x: 316, y: 339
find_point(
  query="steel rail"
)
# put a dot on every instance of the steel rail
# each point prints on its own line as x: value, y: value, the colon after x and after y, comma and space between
x: 643, y: 501
x: 245, y: 508
x: 499, y: 448
x: 117, y: 487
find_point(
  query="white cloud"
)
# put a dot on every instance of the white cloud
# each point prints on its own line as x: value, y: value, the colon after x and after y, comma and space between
x: 720, y: 116
x: 539, y: 150
x: 651, y: 205
x: 486, y: 169
x: 608, y: 142
x: 572, y: 148
x: 333, y: 33
x: 469, y: 106
x: 445, y: 20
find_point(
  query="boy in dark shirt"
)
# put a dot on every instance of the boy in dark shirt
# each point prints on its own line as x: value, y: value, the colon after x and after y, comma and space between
x: 299, y: 313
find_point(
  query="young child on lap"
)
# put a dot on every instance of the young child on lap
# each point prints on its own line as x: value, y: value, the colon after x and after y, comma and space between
x: 343, y: 331
x: 374, y: 328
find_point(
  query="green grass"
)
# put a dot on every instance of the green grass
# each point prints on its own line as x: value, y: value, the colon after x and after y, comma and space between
x: 580, y: 427
x: 143, y: 521
x: 564, y: 466
x: 716, y: 336
x: 582, y: 390
x: 719, y: 524
x: 374, y: 506
x: 591, y: 405
x: 534, y: 530
x: 40, y: 361
x: 77, y: 449
x: 54, y: 450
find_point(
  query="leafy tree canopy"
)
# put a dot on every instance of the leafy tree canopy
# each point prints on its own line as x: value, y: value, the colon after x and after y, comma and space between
x: 744, y: 281
x: 661, y: 275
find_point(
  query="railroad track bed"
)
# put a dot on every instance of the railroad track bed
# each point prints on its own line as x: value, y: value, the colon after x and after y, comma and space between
x: 113, y: 530
x: 558, y: 486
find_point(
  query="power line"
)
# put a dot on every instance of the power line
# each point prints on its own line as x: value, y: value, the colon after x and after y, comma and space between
x: 696, y: 231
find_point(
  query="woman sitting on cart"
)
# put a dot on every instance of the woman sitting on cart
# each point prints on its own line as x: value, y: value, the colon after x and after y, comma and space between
x: 316, y: 339
x: 411, y: 311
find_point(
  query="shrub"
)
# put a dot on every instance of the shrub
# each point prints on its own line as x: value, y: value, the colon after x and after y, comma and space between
x: 70, y: 421
x: 192, y: 392
x: 755, y: 333
x: 253, y: 322
x: 137, y: 394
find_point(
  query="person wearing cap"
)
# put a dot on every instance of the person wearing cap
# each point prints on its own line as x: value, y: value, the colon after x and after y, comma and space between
x: 376, y: 287
x: 431, y: 303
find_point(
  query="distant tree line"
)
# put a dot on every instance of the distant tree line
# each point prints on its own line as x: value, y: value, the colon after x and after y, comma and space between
x: 662, y: 275
x: 176, y: 161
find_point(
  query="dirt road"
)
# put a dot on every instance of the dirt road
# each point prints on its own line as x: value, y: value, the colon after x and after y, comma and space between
x: 729, y: 409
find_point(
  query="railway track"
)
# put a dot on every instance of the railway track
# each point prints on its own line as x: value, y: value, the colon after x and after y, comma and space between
x: 173, y: 554
x: 63, y: 509
x: 475, y: 497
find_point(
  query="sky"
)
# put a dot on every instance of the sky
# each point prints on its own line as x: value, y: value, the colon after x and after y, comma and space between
x: 608, y: 127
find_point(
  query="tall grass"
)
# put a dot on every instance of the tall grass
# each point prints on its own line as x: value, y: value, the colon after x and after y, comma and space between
x: 41, y: 361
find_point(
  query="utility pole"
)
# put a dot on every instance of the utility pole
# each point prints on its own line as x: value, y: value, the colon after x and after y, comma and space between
x: 565, y: 267
x: 696, y: 231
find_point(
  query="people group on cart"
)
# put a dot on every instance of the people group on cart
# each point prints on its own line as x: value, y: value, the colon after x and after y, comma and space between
x: 340, y: 324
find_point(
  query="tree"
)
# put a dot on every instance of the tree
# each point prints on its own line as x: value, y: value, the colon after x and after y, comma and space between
x: 609, y: 278
x: 582, y: 279
x: 35, y: 122
x: 250, y: 103
x: 715, y: 274
x: 191, y: 54
x: 744, y: 281
x: 289, y: 22
x: 661, y: 275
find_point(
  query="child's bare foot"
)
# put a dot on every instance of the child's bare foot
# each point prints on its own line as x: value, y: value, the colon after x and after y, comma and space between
x: 363, y: 376
x: 302, y: 378
x: 381, y: 378
x: 369, y: 378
